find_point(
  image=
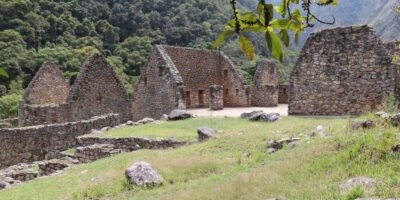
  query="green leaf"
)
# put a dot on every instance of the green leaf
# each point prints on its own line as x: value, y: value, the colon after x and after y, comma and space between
x: 3, y: 73
x: 296, y: 37
x: 246, y: 46
x: 280, y: 23
x: 260, y: 8
x: 274, y: 44
x: 221, y: 37
x: 284, y: 35
x: 281, y: 9
x: 254, y: 29
x: 270, y: 9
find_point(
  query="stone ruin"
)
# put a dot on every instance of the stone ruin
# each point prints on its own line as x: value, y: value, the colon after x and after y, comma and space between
x: 96, y: 91
x: 181, y: 77
x: 342, y: 71
x: 265, y: 89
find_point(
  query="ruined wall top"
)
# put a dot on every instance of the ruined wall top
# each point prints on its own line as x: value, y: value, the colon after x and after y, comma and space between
x: 47, y: 87
x: 266, y: 74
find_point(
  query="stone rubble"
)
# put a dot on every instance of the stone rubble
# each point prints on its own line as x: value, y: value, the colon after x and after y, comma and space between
x: 142, y: 174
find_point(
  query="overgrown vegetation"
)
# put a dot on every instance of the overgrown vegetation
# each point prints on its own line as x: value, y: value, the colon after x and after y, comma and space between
x: 236, y: 165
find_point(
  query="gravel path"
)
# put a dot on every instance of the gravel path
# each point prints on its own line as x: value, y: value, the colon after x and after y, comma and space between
x: 282, y: 109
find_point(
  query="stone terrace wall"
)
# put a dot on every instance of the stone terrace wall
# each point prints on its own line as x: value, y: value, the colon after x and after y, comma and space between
x: 393, y: 49
x: 200, y: 69
x: 340, y: 71
x: 29, y: 144
x: 98, y: 91
x: 33, y: 115
x: 47, y: 87
x: 159, y: 90
x: 265, y: 90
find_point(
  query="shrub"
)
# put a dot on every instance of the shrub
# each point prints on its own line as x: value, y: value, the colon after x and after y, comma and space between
x: 389, y: 103
x: 9, y: 106
x: 355, y: 193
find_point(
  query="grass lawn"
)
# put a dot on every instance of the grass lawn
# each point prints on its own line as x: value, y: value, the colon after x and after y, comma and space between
x: 235, y: 165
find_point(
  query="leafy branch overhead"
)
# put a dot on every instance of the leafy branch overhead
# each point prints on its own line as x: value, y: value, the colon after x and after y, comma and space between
x: 276, y: 29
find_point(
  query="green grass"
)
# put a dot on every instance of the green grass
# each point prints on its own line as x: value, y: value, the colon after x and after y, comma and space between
x: 235, y: 165
x: 70, y: 152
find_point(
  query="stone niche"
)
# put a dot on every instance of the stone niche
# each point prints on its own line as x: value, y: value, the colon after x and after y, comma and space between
x: 341, y: 71
x: 265, y: 89
x: 283, y: 94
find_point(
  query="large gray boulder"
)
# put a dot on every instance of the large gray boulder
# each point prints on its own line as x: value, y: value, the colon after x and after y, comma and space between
x: 395, y: 119
x: 255, y: 115
x: 205, y: 133
x: 142, y: 174
x: 179, y: 115
x: 271, y: 117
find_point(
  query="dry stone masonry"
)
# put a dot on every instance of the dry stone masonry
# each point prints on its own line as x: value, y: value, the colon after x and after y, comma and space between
x: 178, y: 78
x: 216, y: 97
x: 265, y: 88
x: 341, y: 71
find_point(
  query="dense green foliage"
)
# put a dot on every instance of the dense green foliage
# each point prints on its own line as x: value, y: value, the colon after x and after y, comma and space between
x: 33, y: 31
x: 9, y: 106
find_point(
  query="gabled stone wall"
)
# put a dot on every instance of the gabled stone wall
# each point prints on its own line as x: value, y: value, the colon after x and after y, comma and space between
x: 341, y: 71
x: 47, y: 87
x: 283, y: 94
x: 159, y: 90
x: 265, y: 89
x: 98, y: 91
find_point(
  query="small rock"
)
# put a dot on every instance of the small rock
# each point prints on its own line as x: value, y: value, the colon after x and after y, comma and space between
x: 362, y: 124
x: 271, y: 150
x: 179, y: 115
x: 94, y: 131
x: 396, y: 149
x: 145, y: 121
x: 164, y: 117
x: 3, y: 185
x: 129, y: 123
x: 205, y: 133
x: 382, y: 114
x: 319, y: 131
x: 272, y: 117
x: 368, y: 184
x: 395, y: 119
x: 142, y: 174
x: 105, y: 129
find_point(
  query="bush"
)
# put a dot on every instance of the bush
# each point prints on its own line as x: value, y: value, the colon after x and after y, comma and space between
x: 9, y: 106
x: 389, y: 103
x: 355, y: 193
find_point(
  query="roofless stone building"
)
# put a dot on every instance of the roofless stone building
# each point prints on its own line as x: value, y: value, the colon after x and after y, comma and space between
x: 97, y: 91
x: 181, y: 77
x: 341, y: 71
x: 265, y: 89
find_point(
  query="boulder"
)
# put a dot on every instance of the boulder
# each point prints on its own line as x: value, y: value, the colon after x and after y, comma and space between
x: 205, y: 133
x: 270, y: 117
x: 3, y: 185
x: 142, y: 174
x: 179, y: 115
x: 319, y: 131
x: 130, y: 123
x: 368, y: 184
x: 253, y: 114
x: 164, y: 117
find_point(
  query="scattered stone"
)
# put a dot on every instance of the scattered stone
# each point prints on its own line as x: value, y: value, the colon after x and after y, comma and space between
x: 250, y: 114
x: 319, y: 131
x: 164, y: 117
x: 272, y: 117
x: 105, y: 129
x: 273, y: 145
x: 396, y: 149
x: 130, y: 123
x: 362, y: 124
x: 368, y: 184
x: 205, y: 133
x: 382, y: 114
x: 142, y: 174
x: 395, y: 119
x: 145, y: 121
x: 179, y: 115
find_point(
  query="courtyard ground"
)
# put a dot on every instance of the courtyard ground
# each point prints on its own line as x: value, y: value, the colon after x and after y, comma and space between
x: 282, y: 109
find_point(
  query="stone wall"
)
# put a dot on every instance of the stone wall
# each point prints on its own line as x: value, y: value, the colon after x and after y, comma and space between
x: 11, y: 121
x: 98, y: 91
x: 159, y: 90
x: 216, y: 97
x: 341, y: 71
x: 393, y: 49
x: 283, y: 94
x: 47, y: 87
x: 32, y: 115
x: 265, y: 90
x: 29, y: 144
